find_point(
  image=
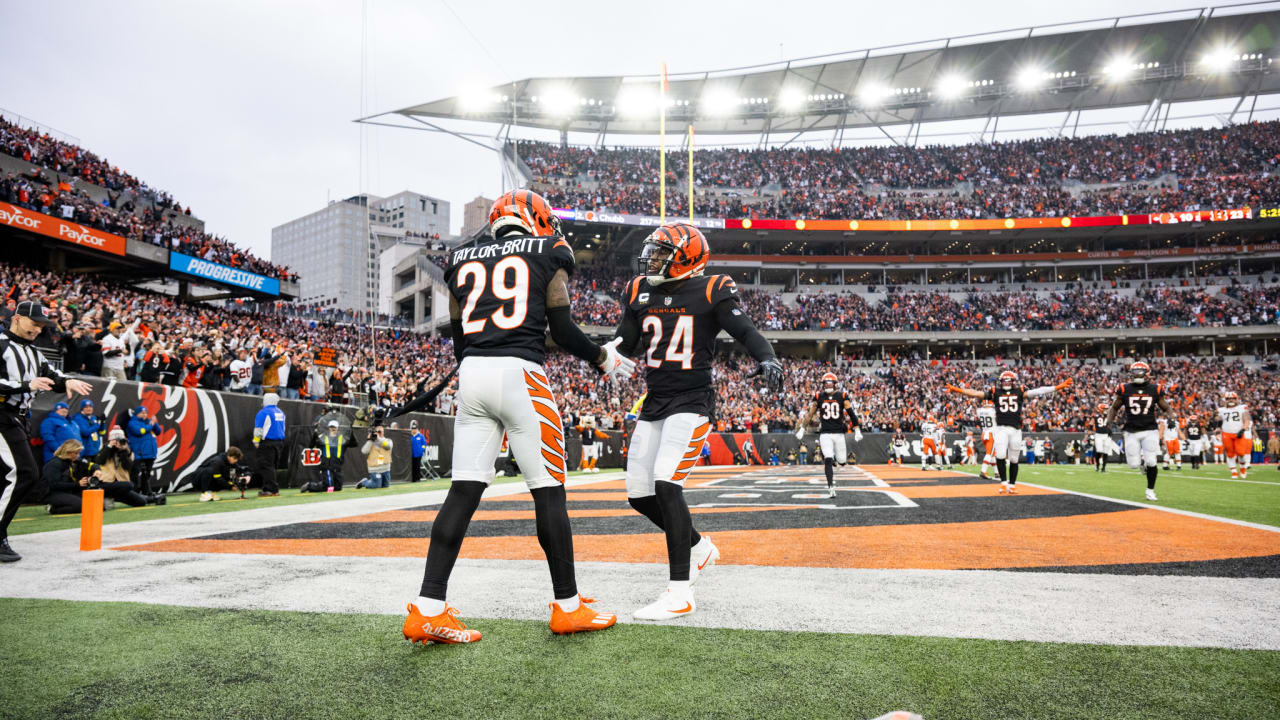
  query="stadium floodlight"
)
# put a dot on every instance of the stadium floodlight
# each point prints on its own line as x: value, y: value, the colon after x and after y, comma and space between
x: 559, y: 101
x: 871, y: 94
x: 1119, y: 69
x: 1219, y: 59
x: 951, y: 87
x: 717, y: 101
x: 477, y: 100
x: 1029, y: 79
x: 791, y: 99
x: 637, y: 101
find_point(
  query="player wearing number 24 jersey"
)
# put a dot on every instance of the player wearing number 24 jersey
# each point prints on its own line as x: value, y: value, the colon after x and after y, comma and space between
x: 505, y: 291
x: 671, y: 316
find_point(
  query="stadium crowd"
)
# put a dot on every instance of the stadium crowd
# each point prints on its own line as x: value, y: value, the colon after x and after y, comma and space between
x: 131, y: 208
x: 156, y: 338
x: 1146, y: 172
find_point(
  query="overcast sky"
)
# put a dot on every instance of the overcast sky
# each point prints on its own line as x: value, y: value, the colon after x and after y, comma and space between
x: 243, y: 109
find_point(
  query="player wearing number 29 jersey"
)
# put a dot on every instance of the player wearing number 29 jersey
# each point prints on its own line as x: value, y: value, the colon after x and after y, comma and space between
x: 506, y: 290
x: 671, y: 316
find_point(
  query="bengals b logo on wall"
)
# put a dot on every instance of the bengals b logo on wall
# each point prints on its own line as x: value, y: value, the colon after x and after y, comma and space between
x: 310, y: 457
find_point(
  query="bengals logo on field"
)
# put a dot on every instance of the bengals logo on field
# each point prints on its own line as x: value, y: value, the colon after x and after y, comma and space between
x: 310, y: 457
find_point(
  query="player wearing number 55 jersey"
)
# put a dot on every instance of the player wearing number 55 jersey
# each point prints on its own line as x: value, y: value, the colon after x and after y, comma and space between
x: 831, y: 404
x: 672, y: 314
x: 1009, y: 397
x: 1139, y: 399
x: 505, y: 291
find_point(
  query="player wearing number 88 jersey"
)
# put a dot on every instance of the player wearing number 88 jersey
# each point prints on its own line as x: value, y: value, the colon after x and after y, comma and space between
x: 1008, y: 398
x: 505, y: 291
x: 671, y: 316
x: 1139, y: 399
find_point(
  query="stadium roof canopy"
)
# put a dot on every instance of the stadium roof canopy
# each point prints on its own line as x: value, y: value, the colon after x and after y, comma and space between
x: 1151, y: 60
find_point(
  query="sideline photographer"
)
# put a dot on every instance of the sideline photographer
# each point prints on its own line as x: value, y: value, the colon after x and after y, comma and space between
x: 378, y: 450
x: 332, y: 445
x: 67, y: 476
x: 221, y: 471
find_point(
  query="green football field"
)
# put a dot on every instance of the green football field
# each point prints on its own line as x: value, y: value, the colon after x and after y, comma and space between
x: 118, y: 660
x: 1208, y: 490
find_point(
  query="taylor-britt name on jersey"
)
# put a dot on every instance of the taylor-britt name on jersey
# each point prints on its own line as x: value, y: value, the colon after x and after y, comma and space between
x: 506, y: 247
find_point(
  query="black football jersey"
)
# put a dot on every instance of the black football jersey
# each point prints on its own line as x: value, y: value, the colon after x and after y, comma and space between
x: 1008, y: 405
x: 831, y: 411
x: 1194, y: 432
x: 1140, y: 404
x: 678, y: 329
x: 588, y: 436
x: 1100, y: 423
x: 501, y: 288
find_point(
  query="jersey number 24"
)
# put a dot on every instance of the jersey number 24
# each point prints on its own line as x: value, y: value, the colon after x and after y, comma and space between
x: 679, y: 347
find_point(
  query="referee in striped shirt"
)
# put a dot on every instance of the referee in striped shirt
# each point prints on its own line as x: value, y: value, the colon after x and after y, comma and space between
x: 24, y: 371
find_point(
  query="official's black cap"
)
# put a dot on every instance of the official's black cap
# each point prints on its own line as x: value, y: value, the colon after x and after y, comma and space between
x: 35, y: 311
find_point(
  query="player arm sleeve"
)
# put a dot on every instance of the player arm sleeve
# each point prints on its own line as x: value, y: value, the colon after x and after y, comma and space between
x: 738, y: 325
x: 629, y: 331
x: 425, y: 399
x: 564, y: 330
x: 1037, y: 392
x: 455, y: 328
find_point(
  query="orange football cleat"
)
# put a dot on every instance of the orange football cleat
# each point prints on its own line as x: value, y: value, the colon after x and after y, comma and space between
x: 584, y: 619
x: 444, y: 628
x: 1013, y: 490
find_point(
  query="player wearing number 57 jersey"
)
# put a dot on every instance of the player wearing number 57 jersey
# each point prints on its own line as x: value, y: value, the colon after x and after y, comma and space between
x: 505, y: 291
x: 1008, y: 397
x: 1139, y: 399
x: 671, y: 316
x: 831, y: 404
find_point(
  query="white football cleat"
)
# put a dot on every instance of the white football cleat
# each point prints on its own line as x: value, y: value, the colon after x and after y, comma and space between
x: 701, y: 557
x: 669, y: 605
x: 1151, y: 495
x: 831, y: 492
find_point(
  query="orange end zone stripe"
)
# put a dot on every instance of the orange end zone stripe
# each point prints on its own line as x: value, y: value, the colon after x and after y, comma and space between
x: 1124, y: 537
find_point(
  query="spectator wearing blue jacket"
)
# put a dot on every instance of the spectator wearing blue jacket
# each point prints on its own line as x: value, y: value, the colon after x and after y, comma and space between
x: 268, y: 440
x: 417, y: 448
x: 57, y: 429
x: 142, y: 431
x: 91, y: 430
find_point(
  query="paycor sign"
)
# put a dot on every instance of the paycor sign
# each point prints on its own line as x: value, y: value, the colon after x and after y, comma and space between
x: 223, y: 274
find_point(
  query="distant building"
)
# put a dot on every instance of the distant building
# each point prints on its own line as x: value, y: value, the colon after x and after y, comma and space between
x: 338, y: 250
x: 475, y: 215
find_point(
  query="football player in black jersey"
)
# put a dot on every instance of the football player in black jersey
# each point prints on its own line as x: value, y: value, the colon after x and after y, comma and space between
x: 831, y: 404
x: 672, y: 314
x: 1195, y: 441
x: 1101, y: 439
x: 1009, y: 398
x: 505, y: 291
x: 1139, y: 399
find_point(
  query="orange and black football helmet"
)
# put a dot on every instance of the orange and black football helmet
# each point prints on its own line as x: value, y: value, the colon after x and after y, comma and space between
x: 525, y: 212
x: 830, y: 382
x: 1139, y: 373
x: 674, y: 251
x: 1008, y: 379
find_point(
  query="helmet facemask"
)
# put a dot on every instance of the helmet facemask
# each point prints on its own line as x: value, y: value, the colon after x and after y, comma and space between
x: 655, y: 261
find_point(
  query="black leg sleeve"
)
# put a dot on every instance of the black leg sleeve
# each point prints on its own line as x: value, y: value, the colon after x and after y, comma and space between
x: 1000, y: 468
x: 648, y: 507
x: 830, y: 469
x: 1013, y: 473
x: 1151, y: 477
x: 679, y: 524
x: 556, y: 538
x: 446, y: 536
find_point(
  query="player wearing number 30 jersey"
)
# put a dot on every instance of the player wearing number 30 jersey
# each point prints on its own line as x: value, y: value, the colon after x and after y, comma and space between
x: 505, y: 291
x: 1009, y: 397
x: 830, y: 405
x: 671, y: 316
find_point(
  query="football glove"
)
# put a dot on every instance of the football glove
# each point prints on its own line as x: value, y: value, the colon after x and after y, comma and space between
x: 1063, y: 385
x: 800, y: 434
x: 1247, y: 434
x: 615, y: 364
x: 771, y: 371
x: 857, y: 435
x: 953, y: 388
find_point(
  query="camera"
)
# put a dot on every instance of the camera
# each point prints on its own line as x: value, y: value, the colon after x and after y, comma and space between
x: 377, y: 414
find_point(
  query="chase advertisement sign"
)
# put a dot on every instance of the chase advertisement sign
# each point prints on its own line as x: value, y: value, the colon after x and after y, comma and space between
x: 223, y: 274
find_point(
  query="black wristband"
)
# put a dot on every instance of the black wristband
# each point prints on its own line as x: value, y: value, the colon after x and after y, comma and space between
x: 569, y: 336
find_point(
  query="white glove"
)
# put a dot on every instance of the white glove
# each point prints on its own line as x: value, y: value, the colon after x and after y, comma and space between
x: 800, y: 434
x: 615, y: 364
x: 1248, y: 434
x: 857, y: 435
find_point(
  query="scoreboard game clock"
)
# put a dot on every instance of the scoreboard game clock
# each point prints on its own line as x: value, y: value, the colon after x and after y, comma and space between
x: 1270, y: 213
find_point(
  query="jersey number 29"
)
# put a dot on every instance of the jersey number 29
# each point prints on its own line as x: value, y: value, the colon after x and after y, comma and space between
x: 510, y: 284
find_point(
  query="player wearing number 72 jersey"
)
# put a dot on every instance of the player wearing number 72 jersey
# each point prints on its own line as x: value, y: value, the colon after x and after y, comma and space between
x: 505, y: 291
x: 671, y: 315
x: 1009, y: 397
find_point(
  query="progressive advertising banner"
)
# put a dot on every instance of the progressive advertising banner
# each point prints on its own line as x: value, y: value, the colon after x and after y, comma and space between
x: 223, y: 274
x: 65, y: 230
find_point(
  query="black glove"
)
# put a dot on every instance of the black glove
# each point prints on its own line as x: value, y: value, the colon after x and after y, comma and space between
x: 771, y: 370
